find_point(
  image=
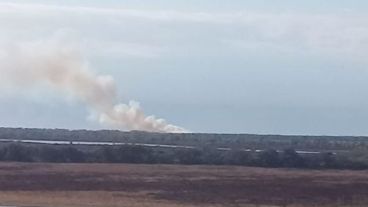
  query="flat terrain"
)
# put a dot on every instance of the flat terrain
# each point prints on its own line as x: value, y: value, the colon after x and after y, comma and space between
x: 104, y: 185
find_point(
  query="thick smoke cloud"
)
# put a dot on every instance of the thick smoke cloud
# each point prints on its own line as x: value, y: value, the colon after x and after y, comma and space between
x: 61, y: 66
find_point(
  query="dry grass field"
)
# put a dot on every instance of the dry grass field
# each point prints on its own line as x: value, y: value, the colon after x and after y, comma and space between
x: 112, y: 185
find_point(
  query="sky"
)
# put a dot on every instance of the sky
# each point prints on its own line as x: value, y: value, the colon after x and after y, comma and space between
x: 239, y: 66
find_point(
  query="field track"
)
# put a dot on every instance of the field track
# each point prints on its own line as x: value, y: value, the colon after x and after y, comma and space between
x: 176, y: 185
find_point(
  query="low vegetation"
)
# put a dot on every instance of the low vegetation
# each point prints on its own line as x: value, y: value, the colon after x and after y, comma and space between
x: 202, y: 170
x: 288, y: 158
x: 234, y: 141
x: 321, y: 152
x: 116, y: 185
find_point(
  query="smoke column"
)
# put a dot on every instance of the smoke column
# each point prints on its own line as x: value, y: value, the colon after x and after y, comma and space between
x: 61, y: 66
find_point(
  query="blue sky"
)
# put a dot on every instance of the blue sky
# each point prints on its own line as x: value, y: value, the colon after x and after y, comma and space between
x: 284, y: 5
x: 285, y: 67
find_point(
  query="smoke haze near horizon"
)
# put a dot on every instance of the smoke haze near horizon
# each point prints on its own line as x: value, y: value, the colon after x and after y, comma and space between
x: 52, y: 62
x: 290, y: 67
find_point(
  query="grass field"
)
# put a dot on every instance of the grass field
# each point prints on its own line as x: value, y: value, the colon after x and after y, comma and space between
x: 110, y: 185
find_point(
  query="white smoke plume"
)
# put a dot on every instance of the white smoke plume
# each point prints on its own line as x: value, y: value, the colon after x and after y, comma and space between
x: 62, y: 67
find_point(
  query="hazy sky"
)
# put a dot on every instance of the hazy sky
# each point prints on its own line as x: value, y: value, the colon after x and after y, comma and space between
x: 285, y: 67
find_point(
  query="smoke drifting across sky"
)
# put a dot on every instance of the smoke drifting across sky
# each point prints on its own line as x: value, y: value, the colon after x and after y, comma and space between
x: 290, y: 67
x: 59, y: 65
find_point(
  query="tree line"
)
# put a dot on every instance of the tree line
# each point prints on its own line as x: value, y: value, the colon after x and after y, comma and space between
x: 287, y: 158
x: 250, y: 141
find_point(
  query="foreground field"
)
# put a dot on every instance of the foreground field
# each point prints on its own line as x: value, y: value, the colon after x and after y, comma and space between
x: 109, y: 185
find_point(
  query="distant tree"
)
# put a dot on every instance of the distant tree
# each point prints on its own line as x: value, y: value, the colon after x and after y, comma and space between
x: 239, y: 157
x: 133, y: 154
x: 212, y: 156
x: 328, y: 160
x: 16, y: 152
x: 290, y: 158
x: 106, y: 154
x: 72, y: 154
x: 50, y: 154
x: 269, y: 158
x: 189, y: 156
x: 163, y: 156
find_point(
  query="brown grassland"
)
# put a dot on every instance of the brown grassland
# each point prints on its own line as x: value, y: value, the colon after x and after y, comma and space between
x: 112, y: 185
